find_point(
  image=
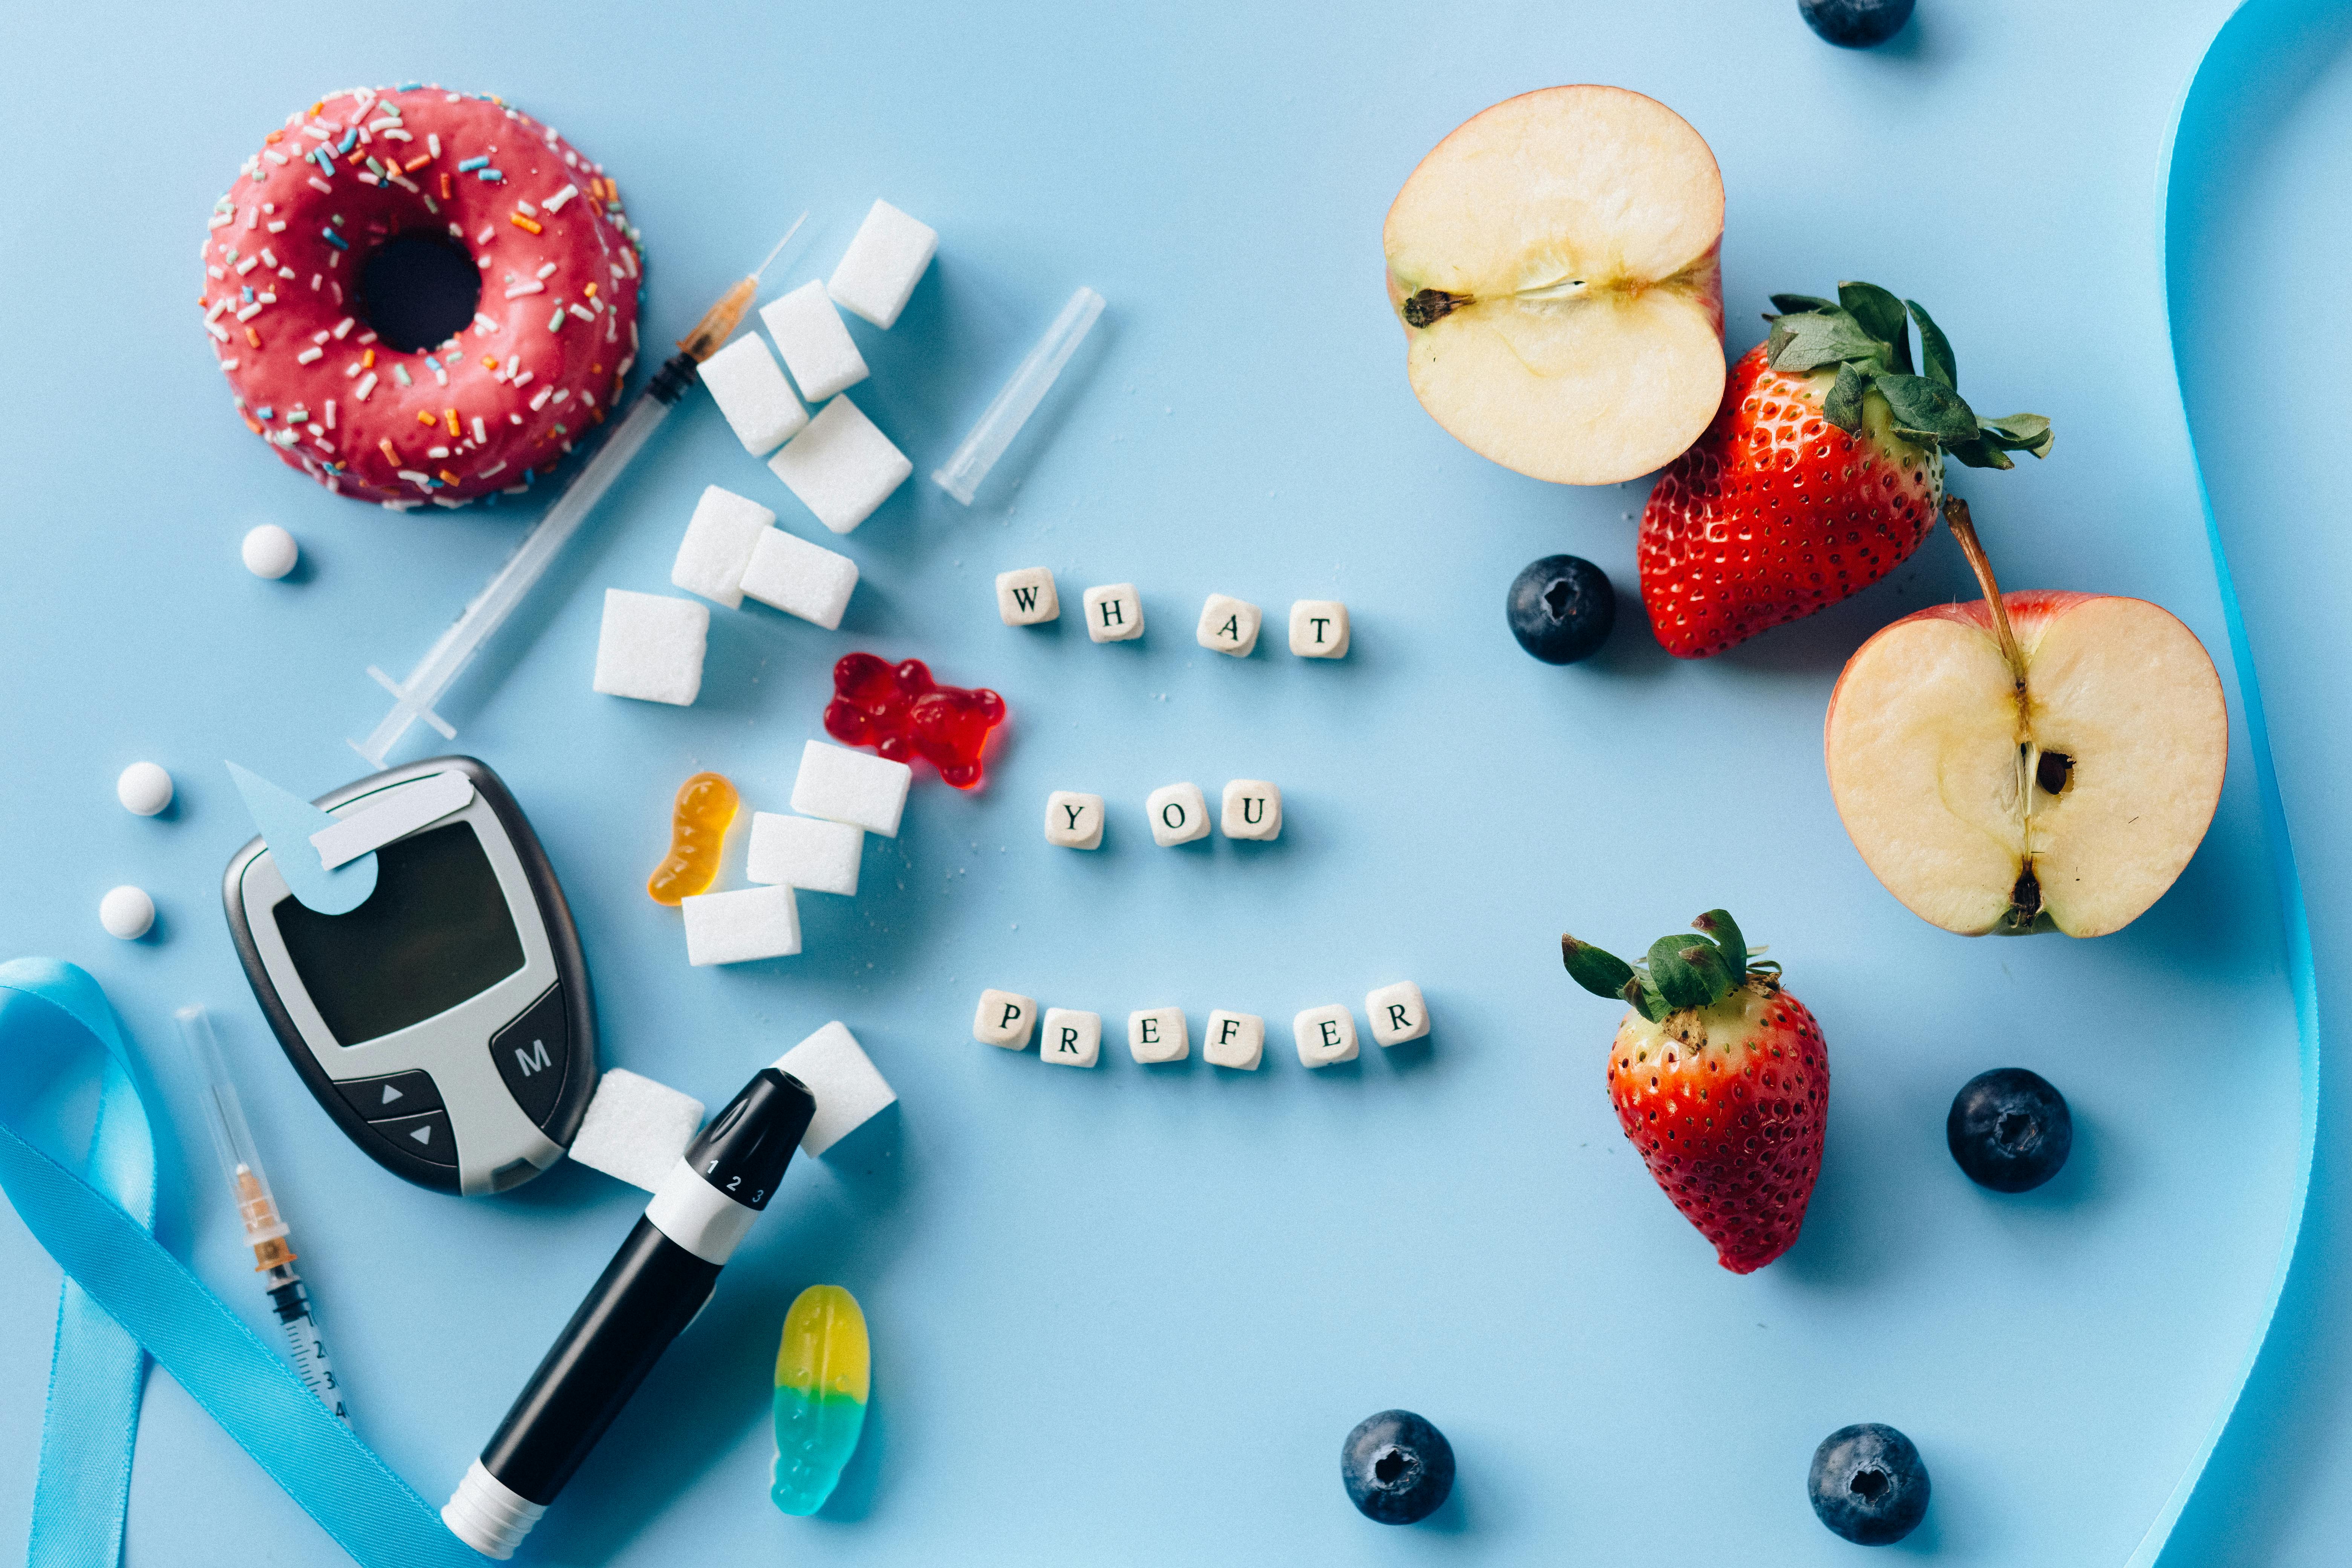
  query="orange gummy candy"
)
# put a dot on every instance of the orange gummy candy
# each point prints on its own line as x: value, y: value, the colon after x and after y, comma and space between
x: 698, y: 826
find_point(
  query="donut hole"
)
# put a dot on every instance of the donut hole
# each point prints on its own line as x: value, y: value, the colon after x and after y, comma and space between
x: 418, y: 289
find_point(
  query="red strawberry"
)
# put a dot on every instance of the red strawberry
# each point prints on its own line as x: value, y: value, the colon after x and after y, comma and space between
x: 1722, y: 1081
x: 1822, y: 473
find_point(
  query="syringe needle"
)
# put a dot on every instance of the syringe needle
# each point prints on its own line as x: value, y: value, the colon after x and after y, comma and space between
x: 762, y: 267
x: 432, y: 675
x: 257, y: 1210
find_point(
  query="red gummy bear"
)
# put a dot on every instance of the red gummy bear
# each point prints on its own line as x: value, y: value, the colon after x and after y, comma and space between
x: 903, y: 713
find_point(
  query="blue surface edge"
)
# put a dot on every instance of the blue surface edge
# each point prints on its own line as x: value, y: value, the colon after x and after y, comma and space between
x: 2239, y: 45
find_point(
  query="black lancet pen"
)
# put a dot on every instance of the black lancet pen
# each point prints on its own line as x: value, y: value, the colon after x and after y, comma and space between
x: 660, y: 1278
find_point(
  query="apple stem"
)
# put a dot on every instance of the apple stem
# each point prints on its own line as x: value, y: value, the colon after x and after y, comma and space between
x: 1956, y: 516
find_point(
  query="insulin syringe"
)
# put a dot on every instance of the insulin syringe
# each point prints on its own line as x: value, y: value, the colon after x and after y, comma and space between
x: 273, y: 1255
x: 414, y: 698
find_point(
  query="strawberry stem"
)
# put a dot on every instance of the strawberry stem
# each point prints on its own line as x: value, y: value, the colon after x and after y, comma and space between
x: 1956, y: 516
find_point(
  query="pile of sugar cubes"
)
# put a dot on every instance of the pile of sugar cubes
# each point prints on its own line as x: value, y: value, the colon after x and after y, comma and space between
x: 841, y: 795
x: 1070, y: 1037
x: 838, y: 463
x: 651, y: 645
x: 1114, y: 613
x: 636, y: 1128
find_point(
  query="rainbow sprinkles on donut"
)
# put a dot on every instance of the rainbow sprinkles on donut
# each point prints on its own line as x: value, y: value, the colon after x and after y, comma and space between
x: 495, y: 404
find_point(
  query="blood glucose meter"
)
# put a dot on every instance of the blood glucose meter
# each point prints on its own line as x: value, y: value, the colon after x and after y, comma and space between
x: 444, y: 1023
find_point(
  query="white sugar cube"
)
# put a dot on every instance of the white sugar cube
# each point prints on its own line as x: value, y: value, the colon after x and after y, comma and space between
x: 1252, y: 809
x: 753, y: 395
x: 650, y: 647
x: 718, y: 545
x: 1234, y: 1040
x: 1004, y: 1018
x: 1157, y: 1035
x: 1114, y: 613
x: 841, y: 466
x: 1071, y: 1038
x: 1325, y: 1034
x: 816, y: 345
x: 804, y: 852
x: 1229, y: 624
x: 1397, y: 1013
x: 1026, y: 598
x: 1073, y: 821
x: 1179, y: 813
x: 740, y: 926
x: 842, y: 785
x: 800, y: 578
x: 849, y: 1089
x: 882, y: 265
x: 1318, y: 629
x: 636, y: 1128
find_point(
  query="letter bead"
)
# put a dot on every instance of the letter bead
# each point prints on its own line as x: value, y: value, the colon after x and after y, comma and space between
x: 1073, y: 821
x: 1325, y: 1034
x: 1026, y: 597
x: 1071, y: 1038
x: 1179, y: 813
x: 1397, y: 1014
x: 1229, y: 625
x: 1318, y: 629
x: 1234, y: 1040
x: 1157, y: 1035
x: 1252, y: 809
x: 1006, y: 1018
x: 1114, y: 613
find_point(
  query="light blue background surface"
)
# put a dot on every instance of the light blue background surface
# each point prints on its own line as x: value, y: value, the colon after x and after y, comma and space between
x: 1130, y: 1313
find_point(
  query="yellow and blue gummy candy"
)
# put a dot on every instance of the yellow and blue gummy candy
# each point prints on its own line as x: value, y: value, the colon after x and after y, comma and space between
x: 822, y: 1374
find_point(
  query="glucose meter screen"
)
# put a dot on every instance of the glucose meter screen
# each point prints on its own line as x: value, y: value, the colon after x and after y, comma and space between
x: 435, y: 932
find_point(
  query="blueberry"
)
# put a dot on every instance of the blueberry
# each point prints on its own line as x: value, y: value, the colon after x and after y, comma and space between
x: 1398, y: 1468
x: 1868, y: 1485
x: 1561, y: 608
x: 2009, y: 1129
x: 1855, y: 23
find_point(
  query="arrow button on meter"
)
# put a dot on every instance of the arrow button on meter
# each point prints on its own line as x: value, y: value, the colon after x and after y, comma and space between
x: 425, y: 1137
x: 396, y: 1094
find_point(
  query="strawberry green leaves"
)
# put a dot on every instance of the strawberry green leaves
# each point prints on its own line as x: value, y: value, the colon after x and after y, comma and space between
x: 1996, y: 438
x: 1843, y: 405
x: 1866, y: 335
x: 1934, y: 348
x: 1602, y: 973
x: 1682, y: 971
x: 1812, y: 339
x: 1718, y: 924
x: 1926, y: 412
x: 1880, y: 314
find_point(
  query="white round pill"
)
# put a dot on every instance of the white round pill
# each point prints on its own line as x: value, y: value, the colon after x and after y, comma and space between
x: 127, y: 912
x: 270, y: 551
x: 144, y: 789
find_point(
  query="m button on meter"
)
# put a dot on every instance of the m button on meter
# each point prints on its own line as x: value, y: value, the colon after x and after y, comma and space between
x: 530, y: 1057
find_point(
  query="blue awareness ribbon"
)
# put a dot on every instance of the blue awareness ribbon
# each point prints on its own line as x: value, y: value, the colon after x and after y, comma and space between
x: 126, y: 1299
x: 2257, y: 36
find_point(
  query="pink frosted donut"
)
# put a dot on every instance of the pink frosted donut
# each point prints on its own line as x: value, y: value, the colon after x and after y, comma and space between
x: 504, y: 396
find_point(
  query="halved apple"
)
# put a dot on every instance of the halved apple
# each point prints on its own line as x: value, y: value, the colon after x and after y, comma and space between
x: 1555, y: 262
x: 2048, y: 766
